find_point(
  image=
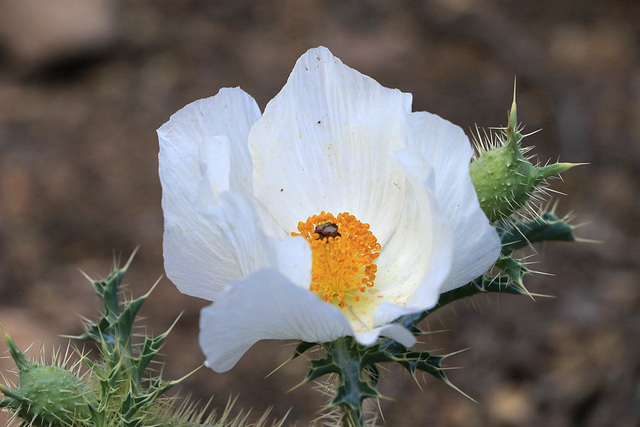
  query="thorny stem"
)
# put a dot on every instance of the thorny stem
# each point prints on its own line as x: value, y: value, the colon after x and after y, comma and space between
x: 351, y: 397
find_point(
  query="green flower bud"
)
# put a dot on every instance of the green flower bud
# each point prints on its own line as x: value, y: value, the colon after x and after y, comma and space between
x: 503, y: 178
x: 47, y: 395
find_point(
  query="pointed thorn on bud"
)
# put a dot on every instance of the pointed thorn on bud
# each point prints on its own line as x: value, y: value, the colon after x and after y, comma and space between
x: 513, y: 113
x: 17, y: 355
x: 554, y: 169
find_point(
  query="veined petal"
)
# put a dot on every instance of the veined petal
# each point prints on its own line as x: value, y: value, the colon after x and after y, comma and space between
x: 448, y: 152
x: 418, y: 258
x: 240, y: 231
x: 324, y: 144
x: 189, y: 141
x: 265, y: 305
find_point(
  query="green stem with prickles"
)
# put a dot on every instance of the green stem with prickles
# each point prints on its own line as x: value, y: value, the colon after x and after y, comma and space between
x: 349, y: 362
x: 345, y: 358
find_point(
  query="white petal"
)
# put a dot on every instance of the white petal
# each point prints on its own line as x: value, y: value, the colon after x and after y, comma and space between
x: 197, y: 259
x: 448, y: 151
x: 324, y: 144
x: 415, y: 262
x: 265, y: 305
x: 393, y: 331
x: 241, y: 235
x: 294, y: 260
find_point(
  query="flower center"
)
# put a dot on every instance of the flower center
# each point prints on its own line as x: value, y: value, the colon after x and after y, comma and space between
x: 343, y: 251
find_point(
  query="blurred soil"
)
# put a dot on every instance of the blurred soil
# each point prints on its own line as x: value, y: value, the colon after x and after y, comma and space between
x: 84, y: 85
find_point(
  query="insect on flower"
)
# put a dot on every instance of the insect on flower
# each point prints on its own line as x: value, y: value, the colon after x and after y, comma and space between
x: 326, y: 230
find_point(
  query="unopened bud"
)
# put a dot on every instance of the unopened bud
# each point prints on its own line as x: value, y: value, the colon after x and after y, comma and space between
x: 504, y: 179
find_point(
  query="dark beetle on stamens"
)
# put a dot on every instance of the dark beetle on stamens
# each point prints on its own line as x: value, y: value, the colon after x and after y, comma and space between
x: 326, y: 230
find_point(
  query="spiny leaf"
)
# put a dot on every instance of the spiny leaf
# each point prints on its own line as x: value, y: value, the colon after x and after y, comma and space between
x: 545, y: 227
x: 115, y: 325
x: 514, y: 269
x: 302, y: 347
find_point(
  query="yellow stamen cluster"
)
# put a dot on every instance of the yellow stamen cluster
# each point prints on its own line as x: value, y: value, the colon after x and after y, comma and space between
x: 342, y: 259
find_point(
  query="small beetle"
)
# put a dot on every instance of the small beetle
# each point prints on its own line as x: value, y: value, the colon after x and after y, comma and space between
x: 326, y: 230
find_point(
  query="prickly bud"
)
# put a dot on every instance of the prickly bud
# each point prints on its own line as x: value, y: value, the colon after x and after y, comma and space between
x: 503, y: 178
x: 47, y: 395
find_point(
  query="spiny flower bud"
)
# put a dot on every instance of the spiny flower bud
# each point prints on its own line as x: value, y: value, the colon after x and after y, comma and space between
x: 47, y: 395
x: 503, y: 178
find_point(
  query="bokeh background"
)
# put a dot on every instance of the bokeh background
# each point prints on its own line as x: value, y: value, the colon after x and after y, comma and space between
x: 84, y: 85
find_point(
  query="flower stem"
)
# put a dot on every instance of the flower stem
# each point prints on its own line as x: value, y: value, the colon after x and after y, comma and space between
x: 352, y: 390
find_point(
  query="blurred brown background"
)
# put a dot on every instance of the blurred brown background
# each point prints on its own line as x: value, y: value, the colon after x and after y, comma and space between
x: 84, y: 85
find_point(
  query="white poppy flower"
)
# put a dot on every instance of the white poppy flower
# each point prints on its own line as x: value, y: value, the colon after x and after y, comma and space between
x: 332, y: 214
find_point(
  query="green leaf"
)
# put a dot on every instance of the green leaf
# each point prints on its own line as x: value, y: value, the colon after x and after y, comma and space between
x: 521, y: 233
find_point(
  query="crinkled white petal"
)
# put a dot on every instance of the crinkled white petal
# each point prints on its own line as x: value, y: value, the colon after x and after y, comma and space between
x: 324, y: 143
x: 240, y: 230
x: 448, y: 152
x: 207, y: 137
x: 265, y: 305
x: 420, y: 256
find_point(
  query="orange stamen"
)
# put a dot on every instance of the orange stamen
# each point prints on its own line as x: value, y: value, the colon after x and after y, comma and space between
x: 343, y: 255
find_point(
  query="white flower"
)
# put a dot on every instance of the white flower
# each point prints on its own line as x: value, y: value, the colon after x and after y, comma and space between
x: 267, y: 215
